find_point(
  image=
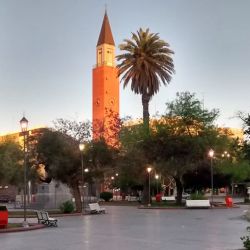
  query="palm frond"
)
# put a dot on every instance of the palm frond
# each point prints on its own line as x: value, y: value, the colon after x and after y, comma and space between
x: 146, y: 62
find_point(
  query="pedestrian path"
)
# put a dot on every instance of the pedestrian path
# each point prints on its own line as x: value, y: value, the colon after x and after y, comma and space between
x: 126, y: 228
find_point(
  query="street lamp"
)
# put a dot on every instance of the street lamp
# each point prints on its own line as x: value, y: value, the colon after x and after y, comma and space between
x: 81, y: 147
x: 225, y: 154
x: 24, y: 126
x: 156, y: 177
x: 211, y: 155
x: 149, y: 200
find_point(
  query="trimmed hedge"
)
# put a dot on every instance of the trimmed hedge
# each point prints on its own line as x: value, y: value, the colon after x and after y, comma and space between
x: 107, y: 196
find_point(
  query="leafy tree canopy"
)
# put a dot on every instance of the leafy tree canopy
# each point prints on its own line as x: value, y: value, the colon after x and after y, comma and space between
x: 11, y: 163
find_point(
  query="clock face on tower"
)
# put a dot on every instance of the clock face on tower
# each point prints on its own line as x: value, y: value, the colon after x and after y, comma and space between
x: 97, y: 102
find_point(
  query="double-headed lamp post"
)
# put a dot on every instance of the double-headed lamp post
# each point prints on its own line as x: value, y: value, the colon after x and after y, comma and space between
x: 211, y: 155
x: 24, y: 128
x: 149, y: 200
x: 81, y: 147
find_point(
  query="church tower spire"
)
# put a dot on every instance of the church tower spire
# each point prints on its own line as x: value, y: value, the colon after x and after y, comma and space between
x: 106, y: 33
x: 105, y: 87
x: 105, y: 45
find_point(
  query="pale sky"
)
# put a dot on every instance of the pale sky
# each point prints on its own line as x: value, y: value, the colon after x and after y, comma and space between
x: 47, y: 52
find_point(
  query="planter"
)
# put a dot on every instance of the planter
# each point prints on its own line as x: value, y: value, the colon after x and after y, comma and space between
x: 3, y: 217
x: 198, y: 203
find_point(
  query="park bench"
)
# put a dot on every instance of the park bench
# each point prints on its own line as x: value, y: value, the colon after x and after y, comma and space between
x: 94, y: 208
x: 131, y: 198
x: 43, y: 218
x: 198, y: 204
x: 168, y: 198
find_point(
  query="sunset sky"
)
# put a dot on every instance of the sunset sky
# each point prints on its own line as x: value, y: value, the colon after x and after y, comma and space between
x: 47, y: 52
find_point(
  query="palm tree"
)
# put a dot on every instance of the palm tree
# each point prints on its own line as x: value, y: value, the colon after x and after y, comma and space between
x: 146, y: 62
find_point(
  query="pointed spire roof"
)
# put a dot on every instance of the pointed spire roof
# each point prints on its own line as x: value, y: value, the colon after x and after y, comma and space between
x: 106, y: 33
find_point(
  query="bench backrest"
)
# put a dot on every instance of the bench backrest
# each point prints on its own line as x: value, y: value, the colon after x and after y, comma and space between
x: 94, y: 206
x: 39, y: 215
x: 168, y: 198
x: 45, y: 215
x: 197, y: 203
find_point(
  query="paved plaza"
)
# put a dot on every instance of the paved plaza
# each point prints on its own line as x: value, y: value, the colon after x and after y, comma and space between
x: 124, y: 228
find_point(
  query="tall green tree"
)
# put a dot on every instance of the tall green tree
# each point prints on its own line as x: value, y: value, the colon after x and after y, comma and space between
x: 58, y: 151
x: 132, y: 162
x: 246, y: 145
x: 180, y: 140
x: 11, y: 163
x: 60, y: 155
x: 146, y: 63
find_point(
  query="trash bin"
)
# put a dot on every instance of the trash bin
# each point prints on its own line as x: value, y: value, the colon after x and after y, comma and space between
x: 3, y: 217
x: 158, y: 197
x: 229, y: 201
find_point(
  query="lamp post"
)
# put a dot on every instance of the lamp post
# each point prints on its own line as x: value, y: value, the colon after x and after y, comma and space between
x: 24, y: 127
x: 211, y: 155
x: 81, y: 147
x: 156, y: 177
x: 149, y: 200
x: 86, y: 170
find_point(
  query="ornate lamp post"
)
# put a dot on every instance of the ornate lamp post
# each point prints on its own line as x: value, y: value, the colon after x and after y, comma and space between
x: 211, y: 155
x: 81, y: 147
x: 24, y: 127
x: 149, y: 200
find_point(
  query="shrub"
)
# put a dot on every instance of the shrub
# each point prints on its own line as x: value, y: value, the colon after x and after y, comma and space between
x: 246, y: 242
x: 246, y: 200
x: 197, y: 196
x: 3, y: 208
x: 67, y: 207
x: 107, y: 196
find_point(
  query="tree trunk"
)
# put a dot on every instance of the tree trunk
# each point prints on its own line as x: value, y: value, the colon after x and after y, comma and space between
x: 145, y: 105
x: 77, y: 196
x: 179, y: 188
x: 145, y: 196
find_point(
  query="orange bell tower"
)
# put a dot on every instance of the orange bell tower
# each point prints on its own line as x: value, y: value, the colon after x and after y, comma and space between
x: 105, y: 87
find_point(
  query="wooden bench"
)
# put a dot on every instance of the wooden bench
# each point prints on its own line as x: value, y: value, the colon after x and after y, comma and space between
x: 198, y: 204
x: 43, y: 218
x: 94, y: 208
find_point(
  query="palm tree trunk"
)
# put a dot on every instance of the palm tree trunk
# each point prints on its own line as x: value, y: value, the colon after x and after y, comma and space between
x: 145, y: 105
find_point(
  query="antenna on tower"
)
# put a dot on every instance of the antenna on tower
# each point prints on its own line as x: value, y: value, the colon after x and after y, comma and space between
x: 106, y: 8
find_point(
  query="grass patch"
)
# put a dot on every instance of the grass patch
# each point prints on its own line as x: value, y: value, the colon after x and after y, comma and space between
x: 30, y: 214
x: 14, y: 225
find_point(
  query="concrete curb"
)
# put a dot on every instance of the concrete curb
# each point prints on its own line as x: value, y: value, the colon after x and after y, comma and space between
x: 51, y: 215
x: 175, y: 208
x: 21, y: 229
